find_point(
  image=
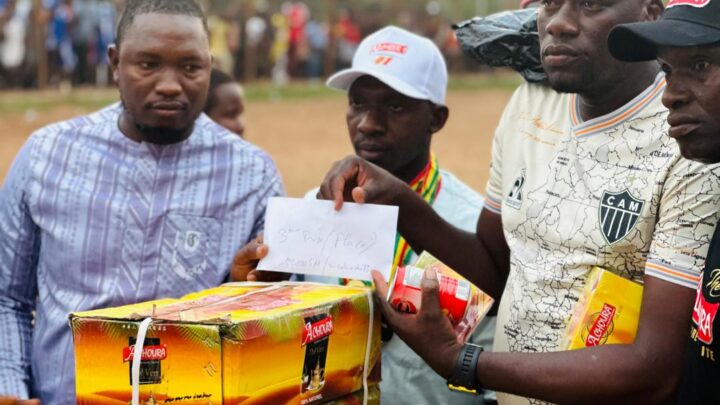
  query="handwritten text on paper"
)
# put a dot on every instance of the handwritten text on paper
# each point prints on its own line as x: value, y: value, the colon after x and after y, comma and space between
x: 309, y: 237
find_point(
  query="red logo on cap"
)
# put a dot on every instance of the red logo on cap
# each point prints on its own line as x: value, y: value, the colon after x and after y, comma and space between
x: 692, y: 3
x: 390, y: 47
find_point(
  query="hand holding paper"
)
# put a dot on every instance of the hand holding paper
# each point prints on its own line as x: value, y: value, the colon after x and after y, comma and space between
x: 310, y: 237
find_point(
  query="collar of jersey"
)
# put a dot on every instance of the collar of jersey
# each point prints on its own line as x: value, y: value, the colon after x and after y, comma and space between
x: 586, y: 128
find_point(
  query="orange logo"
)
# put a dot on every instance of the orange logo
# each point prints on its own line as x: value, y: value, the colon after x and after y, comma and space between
x: 383, y: 60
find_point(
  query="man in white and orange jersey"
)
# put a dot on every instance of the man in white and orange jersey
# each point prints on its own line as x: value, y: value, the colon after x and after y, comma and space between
x: 583, y: 174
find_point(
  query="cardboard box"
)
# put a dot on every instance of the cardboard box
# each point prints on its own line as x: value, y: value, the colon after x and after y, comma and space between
x: 357, y: 398
x: 607, y: 313
x: 241, y: 343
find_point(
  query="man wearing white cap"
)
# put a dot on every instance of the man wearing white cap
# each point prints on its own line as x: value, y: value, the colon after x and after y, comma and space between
x: 396, y: 93
x: 396, y: 102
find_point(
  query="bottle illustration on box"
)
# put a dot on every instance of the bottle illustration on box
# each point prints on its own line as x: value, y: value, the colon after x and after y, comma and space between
x: 316, y: 337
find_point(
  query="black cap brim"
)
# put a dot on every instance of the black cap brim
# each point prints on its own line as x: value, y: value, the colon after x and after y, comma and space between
x: 636, y: 42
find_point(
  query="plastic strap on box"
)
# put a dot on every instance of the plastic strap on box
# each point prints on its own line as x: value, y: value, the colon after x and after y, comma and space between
x: 137, y: 358
x: 371, y: 314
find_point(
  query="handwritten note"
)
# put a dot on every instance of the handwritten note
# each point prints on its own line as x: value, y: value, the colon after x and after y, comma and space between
x: 309, y: 237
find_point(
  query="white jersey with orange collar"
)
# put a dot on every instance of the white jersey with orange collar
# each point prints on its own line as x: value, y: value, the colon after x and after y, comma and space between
x: 611, y: 192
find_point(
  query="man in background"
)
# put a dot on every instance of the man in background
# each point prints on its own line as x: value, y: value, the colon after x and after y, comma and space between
x: 226, y: 102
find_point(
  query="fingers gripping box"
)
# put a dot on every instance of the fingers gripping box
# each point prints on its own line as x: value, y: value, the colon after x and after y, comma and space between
x: 241, y: 343
x: 462, y: 302
x: 607, y: 313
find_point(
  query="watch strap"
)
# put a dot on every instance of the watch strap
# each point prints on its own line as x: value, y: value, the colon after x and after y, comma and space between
x: 464, y: 376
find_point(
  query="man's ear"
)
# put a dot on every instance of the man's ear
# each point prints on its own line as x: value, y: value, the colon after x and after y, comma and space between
x: 440, y: 116
x: 114, y: 59
x: 653, y: 10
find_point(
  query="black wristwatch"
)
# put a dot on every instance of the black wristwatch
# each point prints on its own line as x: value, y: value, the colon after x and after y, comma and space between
x: 464, y: 378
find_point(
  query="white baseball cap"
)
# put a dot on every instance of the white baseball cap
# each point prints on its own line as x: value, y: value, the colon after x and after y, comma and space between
x: 408, y: 63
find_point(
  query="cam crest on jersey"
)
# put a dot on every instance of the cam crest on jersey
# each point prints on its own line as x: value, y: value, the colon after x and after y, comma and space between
x: 619, y: 213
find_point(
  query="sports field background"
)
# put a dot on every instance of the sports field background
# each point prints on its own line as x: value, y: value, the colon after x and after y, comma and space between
x: 301, y: 126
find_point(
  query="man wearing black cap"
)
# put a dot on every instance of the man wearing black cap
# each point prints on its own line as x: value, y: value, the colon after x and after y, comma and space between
x: 686, y: 42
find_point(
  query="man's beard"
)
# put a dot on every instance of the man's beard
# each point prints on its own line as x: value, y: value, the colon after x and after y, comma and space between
x: 565, y: 81
x: 589, y: 82
x: 566, y: 86
x: 162, y: 135
x: 158, y: 135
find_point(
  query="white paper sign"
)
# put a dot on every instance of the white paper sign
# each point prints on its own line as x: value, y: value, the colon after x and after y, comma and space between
x: 307, y: 236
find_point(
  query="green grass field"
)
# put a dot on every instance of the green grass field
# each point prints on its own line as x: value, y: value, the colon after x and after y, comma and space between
x: 18, y: 102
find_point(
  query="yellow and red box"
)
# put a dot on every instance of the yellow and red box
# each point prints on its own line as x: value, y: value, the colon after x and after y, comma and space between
x: 607, y: 313
x: 240, y: 343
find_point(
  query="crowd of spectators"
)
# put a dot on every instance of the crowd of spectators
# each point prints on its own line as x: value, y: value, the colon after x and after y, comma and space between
x: 59, y: 42
x: 67, y: 39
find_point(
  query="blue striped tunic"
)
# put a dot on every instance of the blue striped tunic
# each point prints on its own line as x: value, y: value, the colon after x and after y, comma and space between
x: 92, y: 219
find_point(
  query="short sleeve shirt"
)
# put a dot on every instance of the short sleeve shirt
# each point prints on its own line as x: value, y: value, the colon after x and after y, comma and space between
x: 611, y: 192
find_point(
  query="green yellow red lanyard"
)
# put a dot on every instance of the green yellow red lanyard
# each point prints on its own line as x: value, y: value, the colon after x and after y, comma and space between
x: 427, y: 184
